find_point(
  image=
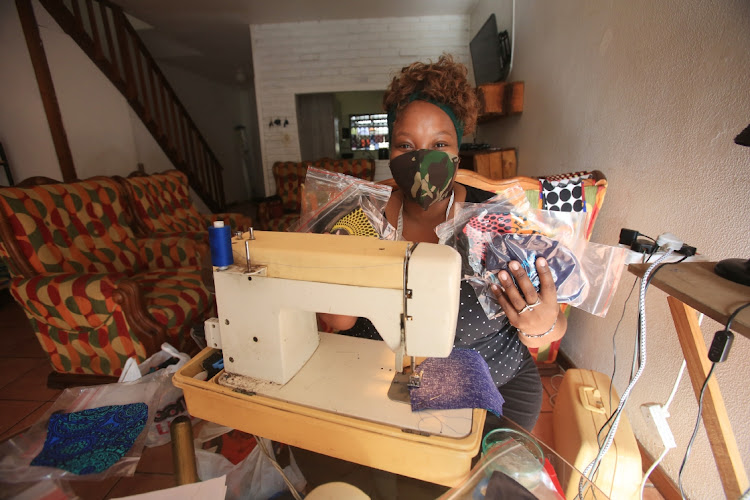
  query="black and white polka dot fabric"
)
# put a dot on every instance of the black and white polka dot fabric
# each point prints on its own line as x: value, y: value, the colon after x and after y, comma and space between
x: 495, y: 339
x: 564, y: 193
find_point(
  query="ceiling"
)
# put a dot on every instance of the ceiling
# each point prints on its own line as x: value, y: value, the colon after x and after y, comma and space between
x: 212, y: 37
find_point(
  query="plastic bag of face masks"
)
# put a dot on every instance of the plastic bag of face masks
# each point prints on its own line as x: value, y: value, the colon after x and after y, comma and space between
x: 489, y: 235
x: 341, y: 204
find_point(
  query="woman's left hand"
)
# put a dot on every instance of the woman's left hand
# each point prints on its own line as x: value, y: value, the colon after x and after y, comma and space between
x: 532, y: 313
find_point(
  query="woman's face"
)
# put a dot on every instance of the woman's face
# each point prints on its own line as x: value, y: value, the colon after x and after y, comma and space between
x: 422, y: 125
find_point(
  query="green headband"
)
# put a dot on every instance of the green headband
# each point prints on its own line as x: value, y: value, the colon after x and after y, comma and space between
x: 418, y: 96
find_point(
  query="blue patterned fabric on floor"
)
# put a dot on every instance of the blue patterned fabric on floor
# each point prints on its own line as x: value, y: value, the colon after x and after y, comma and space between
x: 92, y: 440
x: 461, y: 380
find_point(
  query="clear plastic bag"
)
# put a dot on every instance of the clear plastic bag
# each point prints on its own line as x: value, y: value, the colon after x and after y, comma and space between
x: 17, y: 453
x: 172, y: 402
x: 488, y: 235
x: 342, y: 204
x: 254, y: 476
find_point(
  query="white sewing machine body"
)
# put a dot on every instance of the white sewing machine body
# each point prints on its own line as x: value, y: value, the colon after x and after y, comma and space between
x: 268, y: 333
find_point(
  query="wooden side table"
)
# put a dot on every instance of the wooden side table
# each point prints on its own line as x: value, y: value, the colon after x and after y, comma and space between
x: 693, y: 286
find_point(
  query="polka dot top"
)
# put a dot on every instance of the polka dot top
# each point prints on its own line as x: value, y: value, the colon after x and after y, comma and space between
x: 496, y: 340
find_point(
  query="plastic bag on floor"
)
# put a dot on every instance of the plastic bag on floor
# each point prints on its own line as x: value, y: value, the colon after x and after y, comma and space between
x: 73, y: 447
x: 252, y: 477
x: 172, y: 402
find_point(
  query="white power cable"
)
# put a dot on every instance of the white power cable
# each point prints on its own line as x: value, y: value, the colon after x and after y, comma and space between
x: 588, y: 472
x: 665, y: 406
x: 512, y: 38
x: 651, y: 469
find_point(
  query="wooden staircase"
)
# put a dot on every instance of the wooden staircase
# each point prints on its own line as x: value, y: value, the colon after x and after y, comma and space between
x: 103, y: 32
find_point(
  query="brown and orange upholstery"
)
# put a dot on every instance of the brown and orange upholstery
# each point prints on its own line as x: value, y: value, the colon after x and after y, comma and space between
x: 279, y: 212
x: 161, y: 204
x: 593, y: 189
x: 94, y: 293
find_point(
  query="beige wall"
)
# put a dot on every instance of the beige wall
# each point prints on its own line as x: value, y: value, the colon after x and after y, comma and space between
x: 105, y: 136
x: 337, y: 56
x: 652, y: 94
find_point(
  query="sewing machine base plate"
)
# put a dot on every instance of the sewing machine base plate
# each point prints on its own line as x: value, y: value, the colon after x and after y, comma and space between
x: 433, y: 458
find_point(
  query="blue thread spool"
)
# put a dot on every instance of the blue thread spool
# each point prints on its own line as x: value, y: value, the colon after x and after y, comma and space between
x: 221, y: 245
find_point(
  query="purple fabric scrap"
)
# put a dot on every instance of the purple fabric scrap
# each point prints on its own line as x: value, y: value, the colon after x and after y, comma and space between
x: 462, y: 380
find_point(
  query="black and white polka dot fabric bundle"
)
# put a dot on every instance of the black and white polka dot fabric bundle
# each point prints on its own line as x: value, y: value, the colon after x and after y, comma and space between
x: 564, y: 193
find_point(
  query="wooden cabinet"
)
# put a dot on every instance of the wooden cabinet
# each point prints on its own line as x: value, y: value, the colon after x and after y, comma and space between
x: 491, y: 163
x: 500, y: 99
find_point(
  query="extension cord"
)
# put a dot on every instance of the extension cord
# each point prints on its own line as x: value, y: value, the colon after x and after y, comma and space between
x: 659, y: 417
x: 637, y: 258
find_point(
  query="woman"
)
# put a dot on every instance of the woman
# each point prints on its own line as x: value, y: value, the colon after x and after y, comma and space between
x: 430, y: 107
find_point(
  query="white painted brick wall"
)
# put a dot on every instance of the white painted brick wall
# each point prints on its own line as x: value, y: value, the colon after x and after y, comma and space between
x: 338, y: 56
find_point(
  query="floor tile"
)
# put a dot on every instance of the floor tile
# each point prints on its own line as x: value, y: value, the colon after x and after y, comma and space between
x: 93, y: 490
x: 15, y: 368
x: 141, y: 483
x: 31, y: 387
x: 543, y: 430
x: 27, y: 421
x: 15, y: 411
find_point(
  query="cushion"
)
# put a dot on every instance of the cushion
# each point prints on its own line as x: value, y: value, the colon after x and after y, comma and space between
x: 162, y: 203
x: 73, y: 227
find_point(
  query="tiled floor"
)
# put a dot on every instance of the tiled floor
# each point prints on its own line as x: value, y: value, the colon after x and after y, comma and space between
x: 24, y: 398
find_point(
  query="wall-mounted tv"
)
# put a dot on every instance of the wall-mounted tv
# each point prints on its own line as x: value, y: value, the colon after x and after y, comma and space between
x: 490, y: 53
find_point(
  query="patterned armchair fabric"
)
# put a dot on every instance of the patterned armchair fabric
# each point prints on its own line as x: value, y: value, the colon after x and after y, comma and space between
x: 94, y: 293
x: 281, y: 211
x: 161, y: 204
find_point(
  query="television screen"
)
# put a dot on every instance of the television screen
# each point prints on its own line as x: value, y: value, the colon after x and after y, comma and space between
x: 487, y: 55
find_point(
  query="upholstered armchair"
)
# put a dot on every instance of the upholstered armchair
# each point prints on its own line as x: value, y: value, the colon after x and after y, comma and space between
x: 282, y: 210
x: 161, y: 204
x: 93, y: 292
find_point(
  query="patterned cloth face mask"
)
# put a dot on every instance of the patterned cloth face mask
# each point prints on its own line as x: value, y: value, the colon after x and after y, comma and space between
x: 425, y: 176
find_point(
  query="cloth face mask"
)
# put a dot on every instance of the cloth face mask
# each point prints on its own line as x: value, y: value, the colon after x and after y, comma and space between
x: 425, y: 176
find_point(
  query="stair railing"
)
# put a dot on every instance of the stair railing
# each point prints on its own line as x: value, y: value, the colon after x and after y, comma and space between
x: 104, y: 33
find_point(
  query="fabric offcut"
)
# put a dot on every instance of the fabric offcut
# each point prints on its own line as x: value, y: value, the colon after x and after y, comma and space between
x: 92, y: 440
x: 462, y: 380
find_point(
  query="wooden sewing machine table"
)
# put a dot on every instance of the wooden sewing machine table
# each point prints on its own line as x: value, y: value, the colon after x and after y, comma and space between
x: 437, y: 459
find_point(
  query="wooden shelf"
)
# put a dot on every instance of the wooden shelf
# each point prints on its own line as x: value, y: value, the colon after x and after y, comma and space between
x: 500, y: 99
x: 491, y: 163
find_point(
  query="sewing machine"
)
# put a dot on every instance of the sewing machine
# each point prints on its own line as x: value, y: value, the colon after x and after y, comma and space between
x: 267, y: 328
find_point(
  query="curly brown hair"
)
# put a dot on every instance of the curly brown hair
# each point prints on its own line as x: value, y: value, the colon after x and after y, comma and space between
x: 444, y: 82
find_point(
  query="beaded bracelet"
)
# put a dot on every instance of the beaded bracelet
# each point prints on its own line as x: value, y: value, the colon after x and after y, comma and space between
x: 541, y: 334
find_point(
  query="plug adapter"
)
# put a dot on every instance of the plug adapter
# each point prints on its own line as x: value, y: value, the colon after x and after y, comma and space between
x: 687, y: 250
x: 642, y: 245
x: 669, y: 240
x: 628, y: 236
x: 720, y: 346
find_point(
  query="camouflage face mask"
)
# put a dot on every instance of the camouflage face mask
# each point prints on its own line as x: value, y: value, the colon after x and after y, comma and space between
x: 424, y: 176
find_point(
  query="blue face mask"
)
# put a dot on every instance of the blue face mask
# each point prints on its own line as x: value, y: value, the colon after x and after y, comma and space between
x: 425, y: 176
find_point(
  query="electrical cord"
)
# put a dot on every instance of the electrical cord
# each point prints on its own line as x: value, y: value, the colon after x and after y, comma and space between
x: 276, y: 465
x: 695, y: 429
x: 588, y: 471
x: 700, y: 403
x: 651, y: 469
x: 646, y: 258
